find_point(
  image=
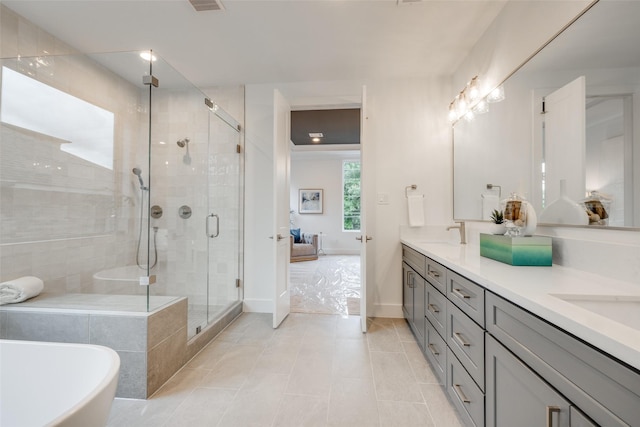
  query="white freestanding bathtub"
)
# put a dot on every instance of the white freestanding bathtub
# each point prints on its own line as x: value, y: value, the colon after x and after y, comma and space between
x: 56, y: 384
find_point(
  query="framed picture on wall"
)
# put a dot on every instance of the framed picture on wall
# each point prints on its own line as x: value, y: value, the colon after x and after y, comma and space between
x: 310, y: 201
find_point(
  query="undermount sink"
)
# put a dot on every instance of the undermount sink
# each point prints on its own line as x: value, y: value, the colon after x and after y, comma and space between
x: 624, y: 309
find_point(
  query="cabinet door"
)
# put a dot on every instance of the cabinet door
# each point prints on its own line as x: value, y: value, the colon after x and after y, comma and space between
x: 419, y: 320
x: 578, y: 419
x: 407, y: 292
x: 516, y: 396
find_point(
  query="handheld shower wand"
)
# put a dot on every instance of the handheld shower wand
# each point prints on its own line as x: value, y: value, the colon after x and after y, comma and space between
x: 138, y: 172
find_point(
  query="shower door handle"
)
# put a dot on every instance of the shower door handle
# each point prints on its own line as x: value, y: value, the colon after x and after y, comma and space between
x: 211, y: 236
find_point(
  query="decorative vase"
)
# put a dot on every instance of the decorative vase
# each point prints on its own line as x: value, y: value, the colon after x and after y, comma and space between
x: 515, y: 215
x: 497, y: 228
x: 564, y: 210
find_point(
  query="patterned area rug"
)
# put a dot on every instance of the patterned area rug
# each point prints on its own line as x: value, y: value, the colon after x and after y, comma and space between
x: 329, y: 285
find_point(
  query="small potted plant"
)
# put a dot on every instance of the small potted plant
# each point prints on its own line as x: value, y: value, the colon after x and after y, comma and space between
x: 498, y: 224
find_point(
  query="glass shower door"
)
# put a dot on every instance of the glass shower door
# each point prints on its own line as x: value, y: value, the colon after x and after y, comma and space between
x: 224, y: 220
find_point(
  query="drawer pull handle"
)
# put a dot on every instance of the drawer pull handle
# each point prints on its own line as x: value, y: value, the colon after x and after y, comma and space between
x: 461, y: 394
x: 461, y: 294
x: 461, y: 340
x: 434, y: 350
x: 434, y: 273
x: 434, y: 308
x: 550, y: 411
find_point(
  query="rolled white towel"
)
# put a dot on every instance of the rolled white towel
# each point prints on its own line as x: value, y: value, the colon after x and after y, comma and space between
x: 20, y: 289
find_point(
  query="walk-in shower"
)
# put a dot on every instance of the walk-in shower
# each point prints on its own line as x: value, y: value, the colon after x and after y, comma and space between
x: 110, y: 176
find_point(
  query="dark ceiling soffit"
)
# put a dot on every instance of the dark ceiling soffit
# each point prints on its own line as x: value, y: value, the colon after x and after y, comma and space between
x: 337, y: 126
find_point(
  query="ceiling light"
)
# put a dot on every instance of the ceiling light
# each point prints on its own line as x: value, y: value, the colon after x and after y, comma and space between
x: 148, y: 56
x: 316, y: 139
x: 315, y: 135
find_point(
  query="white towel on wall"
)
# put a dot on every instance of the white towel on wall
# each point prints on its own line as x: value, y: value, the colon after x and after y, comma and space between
x: 416, y: 210
x: 490, y: 202
x: 21, y: 289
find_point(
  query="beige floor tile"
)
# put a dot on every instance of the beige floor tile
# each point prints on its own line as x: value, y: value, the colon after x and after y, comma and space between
x: 382, y: 336
x: 394, y: 378
x: 403, y: 330
x: 203, y: 407
x: 403, y: 414
x: 352, y: 403
x: 182, y: 383
x: 302, y: 411
x: 257, y: 403
x: 351, y: 359
x: 209, y: 356
x: 143, y: 413
x: 234, y: 367
x: 276, y: 362
x: 419, y: 364
x: 311, y: 374
x: 315, y: 370
x: 349, y: 327
x: 442, y: 411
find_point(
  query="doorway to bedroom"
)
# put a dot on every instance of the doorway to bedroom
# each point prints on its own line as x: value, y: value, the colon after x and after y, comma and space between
x: 324, y: 272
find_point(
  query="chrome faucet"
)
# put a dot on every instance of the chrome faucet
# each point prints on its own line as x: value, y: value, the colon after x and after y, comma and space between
x: 463, y: 233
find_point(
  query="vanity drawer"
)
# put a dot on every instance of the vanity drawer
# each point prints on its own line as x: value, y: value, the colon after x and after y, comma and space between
x: 436, y: 275
x: 415, y: 259
x: 605, y: 389
x: 468, y: 296
x: 436, y: 309
x: 464, y: 393
x: 436, y: 352
x: 466, y: 340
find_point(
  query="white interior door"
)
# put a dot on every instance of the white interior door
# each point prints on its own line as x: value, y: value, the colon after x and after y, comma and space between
x: 564, y: 141
x: 281, y: 167
x: 366, y: 185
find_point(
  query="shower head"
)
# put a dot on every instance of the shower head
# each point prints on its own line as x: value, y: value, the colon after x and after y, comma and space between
x: 138, y: 172
x: 183, y: 142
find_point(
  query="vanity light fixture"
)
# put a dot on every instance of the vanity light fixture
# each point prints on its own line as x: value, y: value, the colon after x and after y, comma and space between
x: 471, y: 101
x: 474, y: 89
x: 496, y: 95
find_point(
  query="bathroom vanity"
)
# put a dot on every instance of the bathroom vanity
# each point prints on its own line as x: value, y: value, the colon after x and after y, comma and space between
x: 525, y: 346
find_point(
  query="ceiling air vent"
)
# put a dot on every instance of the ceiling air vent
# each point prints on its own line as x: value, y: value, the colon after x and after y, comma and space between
x: 202, y: 5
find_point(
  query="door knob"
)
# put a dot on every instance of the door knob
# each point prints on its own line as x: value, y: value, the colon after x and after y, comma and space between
x: 359, y: 238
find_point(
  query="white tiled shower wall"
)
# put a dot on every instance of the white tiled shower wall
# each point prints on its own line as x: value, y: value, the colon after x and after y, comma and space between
x: 64, y: 218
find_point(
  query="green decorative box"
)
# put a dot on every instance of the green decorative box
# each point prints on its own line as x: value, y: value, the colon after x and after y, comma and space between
x: 533, y: 250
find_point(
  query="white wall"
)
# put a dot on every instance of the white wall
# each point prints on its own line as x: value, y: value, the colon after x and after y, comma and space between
x: 323, y: 170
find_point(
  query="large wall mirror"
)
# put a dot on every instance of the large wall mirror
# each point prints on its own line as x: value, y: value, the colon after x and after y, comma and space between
x: 567, y: 129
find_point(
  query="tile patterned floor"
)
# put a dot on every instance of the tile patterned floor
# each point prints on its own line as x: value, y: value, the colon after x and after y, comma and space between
x: 315, y: 370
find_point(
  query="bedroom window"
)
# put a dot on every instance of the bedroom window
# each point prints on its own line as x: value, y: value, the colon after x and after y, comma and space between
x: 351, y: 195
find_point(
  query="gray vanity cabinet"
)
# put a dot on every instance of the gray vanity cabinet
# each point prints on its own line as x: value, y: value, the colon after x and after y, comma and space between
x: 516, y: 396
x: 604, y: 389
x: 413, y: 293
x: 503, y: 366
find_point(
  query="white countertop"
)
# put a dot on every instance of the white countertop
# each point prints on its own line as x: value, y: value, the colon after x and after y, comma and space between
x: 532, y: 288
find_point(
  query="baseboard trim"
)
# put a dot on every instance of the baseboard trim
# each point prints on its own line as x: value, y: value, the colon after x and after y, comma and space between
x: 257, y: 306
x: 387, y: 310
